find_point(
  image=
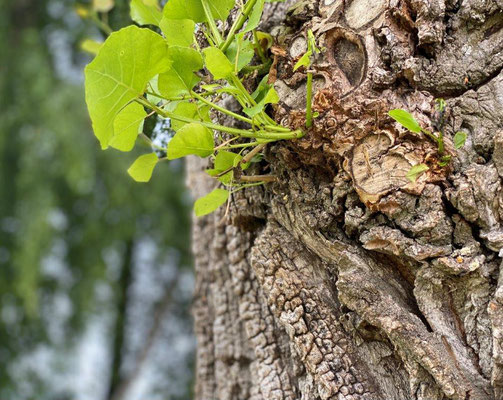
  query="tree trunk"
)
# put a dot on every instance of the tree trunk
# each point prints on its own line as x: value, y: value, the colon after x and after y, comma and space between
x: 344, y: 280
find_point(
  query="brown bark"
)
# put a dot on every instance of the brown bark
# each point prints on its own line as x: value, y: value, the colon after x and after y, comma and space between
x: 343, y: 280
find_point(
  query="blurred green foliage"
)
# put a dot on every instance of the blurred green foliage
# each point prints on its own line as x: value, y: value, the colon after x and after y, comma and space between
x: 62, y: 199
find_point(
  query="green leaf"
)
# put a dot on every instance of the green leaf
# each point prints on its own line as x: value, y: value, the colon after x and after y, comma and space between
x: 180, y: 79
x: 143, y: 167
x: 262, y: 89
x: 226, y: 159
x: 120, y: 72
x: 255, y: 16
x: 190, y: 110
x: 209, y: 203
x: 304, y: 61
x: 271, y: 97
x: 178, y: 32
x: 193, y: 9
x: 153, y: 87
x: 311, y: 42
x: 223, y: 161
x: 217, y: 63
x: 91, y: 46
x: 416, y: 171
x: 191, y: 139
x: 405, y: 119
x: 146, y: 12
x: 246, y: 52
x: 127, y: 125
x: 459, y: 139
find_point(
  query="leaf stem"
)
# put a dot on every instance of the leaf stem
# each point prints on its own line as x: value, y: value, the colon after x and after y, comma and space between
x: 150, y: 143
x: 177, y: 98
x: 246, y: 186
x: 441, y: 148
x: 237, y: 146
x: 239, y: 85
x: 430, y: 135
x: 234, y: 131
x: 309, y: 99
x: 102, y: 25
x: 221, y: 109
x: 238, y: 24
x: 211, y: 23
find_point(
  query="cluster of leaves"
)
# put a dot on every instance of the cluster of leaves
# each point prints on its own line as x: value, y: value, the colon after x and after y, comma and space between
x: 162, y: 69
x: 405, y: 119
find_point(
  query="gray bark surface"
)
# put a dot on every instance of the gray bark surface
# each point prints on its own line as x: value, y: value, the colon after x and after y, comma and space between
x: 344, y: 280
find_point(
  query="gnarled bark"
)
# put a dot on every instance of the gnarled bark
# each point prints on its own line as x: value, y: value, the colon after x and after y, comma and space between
x: 344, y: 280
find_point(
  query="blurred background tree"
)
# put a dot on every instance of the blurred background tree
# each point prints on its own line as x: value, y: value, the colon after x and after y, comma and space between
x: 95, y: 267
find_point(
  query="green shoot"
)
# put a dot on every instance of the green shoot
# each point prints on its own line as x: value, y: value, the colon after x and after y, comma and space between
x: 406, y: 119
x: 306, y: 61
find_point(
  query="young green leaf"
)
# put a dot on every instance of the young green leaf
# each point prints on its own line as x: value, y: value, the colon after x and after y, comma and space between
x: 209, y: 203
x: 193, y: 9
x: 141, y: 170
x: 91, y: 46
x: 191, y: 139
x: 120, y: 72
x: 192, y: 111
x: 265, y: 39
x: 311, y: 42
x: 459, y: 139
x: 180, y: 79
x: 146, y: 12
x: 246, y: 52
x: 178, y: 32
x: 255, y: 15
x: 416, y: 171
x: 223, y: 161
x: 405, y: 119
x: 262, y: 89
x: 217, y: 63
x: 127, y: 125
x: 304, y: 61
x: 226, y: 159
x: 271, y: 97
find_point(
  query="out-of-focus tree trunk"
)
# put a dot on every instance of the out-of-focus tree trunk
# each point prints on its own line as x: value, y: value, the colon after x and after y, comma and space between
x: 344, y: 280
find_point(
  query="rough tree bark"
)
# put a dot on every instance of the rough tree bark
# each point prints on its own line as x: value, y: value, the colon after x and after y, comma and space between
x: 343, y: 280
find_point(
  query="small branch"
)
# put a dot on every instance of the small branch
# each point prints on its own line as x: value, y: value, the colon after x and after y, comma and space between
x: 248, y: 157
x: 259, y: 178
